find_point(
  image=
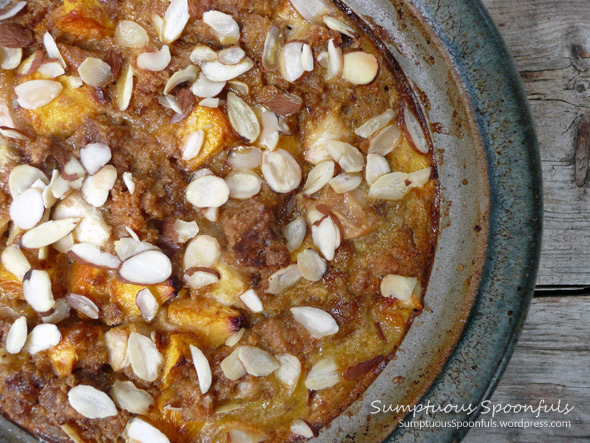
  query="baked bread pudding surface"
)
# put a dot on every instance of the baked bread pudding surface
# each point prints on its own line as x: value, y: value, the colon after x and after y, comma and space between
x: 218, y: 218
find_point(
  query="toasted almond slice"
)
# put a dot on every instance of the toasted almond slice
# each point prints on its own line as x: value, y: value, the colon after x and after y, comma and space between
x: 252, y: 301
x: 244, y: 158
x: 170, y: 102
x: 335, y: 60
x: 319, y: 177
x: 155, y: 61
x: 231, y: 56
x: 207, y: 192
x: 131, y: 35
x: 360, y: 68
x: 283, y: 279
x: 324, y: 374
x: 94, y: 72
x: 375, y: 124
x: 15, y: 262
x: 377, y: 166
x: 17, y: 335
x: 146, y: 361
x: 60, y: 188
x: 198, y: 278
x: 76, y: 82
x: 139, y: 431
x: 398, y: 286
x: 125, y: 88
x: 301, y: 428
x: 10, y: 58
x: 180, y: 231
x: 116, y: 342
x: 245, y: 436
x: 48, y: 198
x: 242, y: 118
x: 202, y: 54
x: 188, y: 74
x: 147, y: 304
x: 290, y: 61
x: 311, y: 265
x: 52, y: 49
x: 48, y: 233
x: 338, y: 26
x: 390, y: 186
x: 128, y: 180
x: 27, y: 209
x: 37, y: 93
x: 232, y: 367
x: 218, y: 72
x: 73, y: 169
x: 91, y: 255
x: 317, y: 322
x: 233, y: 339
x: 96, y: 188
x: 272, y: 49
x: 238, y: 87
x: 30, y: 64
x: 146, y: 268
x: 131, y: 398
x: 13, y: 133
x: 270, y: 129
x: 60, y: 312
x: 347, y: 156
x: 9, y: 13
x: 22, y: 178
x: 346, y: 182
x: 224, y: 26
x: 203, y: 369
x: 326, y: 236
x: 322, y: 59
x: 386, y: 141
x: 193, y: 145
x: 307, y: 57
x: 413, y: 130
x: 42, y: 338
x: 285, y: 104
x: 158, y: 23
x: 92, y: 228
x: 209, y: 103
x: 281, y: 171
x: 257, y: 362
x: 243, y: 184
x: 295, y: 233
x: 175, y: 19
x: 83, y: 304
x: 419, y: 178
x: 37, y: 290
x: 94, y: 156
x: 289, y: 370
x: 202, y: 252
x: 206, y: 88
x: 91, y: 403
x: 312, y: 10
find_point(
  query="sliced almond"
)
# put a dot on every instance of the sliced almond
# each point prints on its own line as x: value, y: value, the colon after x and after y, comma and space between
x: 202, y: 54
x: 318, y: 323
x: 11, y: 12
x: 158, y: 23
x: 175, y: 19
x: 390, y: 186
x: 30, y: 64
x: 252, y: 301
x: 91, y: 255
x: 170, y: 102
x: 92, y: 227
x: 15, y: 35
x: 335, y: 60
x: 144, y: 357
x: 131, y: 35
x: 242, y: 118
x: 146, y: 268
x: 22, y: 178
x: 131, y: 398
x: 140, y: 431
x: 37, y: 93
x: 312, y: 10
x: 256, y: 361
x: 193, y: 145
x: 125, y: 88
x: 10, y: 58
x: 155, y: 61
x: 225, y: 28
x: 232, y: 367
x: 290, y: 61
x: 198, y: 278
x: 94, y: 72
x: 307, y: 58
x: 27, y: 209
x: 42, y: 338
x: 48, y: 233
x: 15, y: 262
x: 281, y: 171
x: 73, y: 170
x: 116, y: 343
x: 283, y: 279
x: 238, y: 87
x: 273, y: 45
x: 319, y: 177
x: 83, y: 304
x: 49, y: 198
x: 17, y: 335
x: 324, y: 374
x: 419, y: 178
x: 413, y: 130
x: 346, y: 182
x: 91, y: 403
x: 147, y: 304
x: 245, y: 436
x: 375, y: 124
x: 208, y: 192
x: 128, y: 180
x: 209, y: 103
x: 188, y: 74
x: 301, y: 428
x: 96, y: 188
x: 37, y: 290
x: 360, y: 68
x: 311, y: 265
x: 270, y: 129
x: 203, y: 369
x: 347, y: 156
x: 244, y: 158
x: 243, y: 184
x: 203, y: 251
x: 326, y: 236
x: 398, y: 286
x: 218, y: 72
x: 377, y: 166
x: 285, y: 104
x: 94, y: 156
x: 231, y: 55
x: 180, y: 231
x: 52, y: 49
x: 295, y: 233
x: 76, y: 82
x: 322, y: 59
x: 60, y: 312
x: 206, y: 88
x: 289, y: 370
x: 233, y: 339
x: 338, y: 26
x: 13, y: 133
x: 386, y: 141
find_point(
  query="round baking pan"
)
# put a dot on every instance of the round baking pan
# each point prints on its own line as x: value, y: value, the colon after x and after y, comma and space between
x: 450, y: 57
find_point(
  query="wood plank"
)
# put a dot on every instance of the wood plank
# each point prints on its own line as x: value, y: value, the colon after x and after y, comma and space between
x: 550, y: 42
x: 551, y: 362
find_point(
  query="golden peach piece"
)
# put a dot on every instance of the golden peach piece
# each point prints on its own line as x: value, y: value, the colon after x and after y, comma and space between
x: 85, y: 19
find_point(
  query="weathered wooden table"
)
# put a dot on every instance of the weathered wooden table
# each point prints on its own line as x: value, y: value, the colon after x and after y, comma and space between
x: 550, y: 42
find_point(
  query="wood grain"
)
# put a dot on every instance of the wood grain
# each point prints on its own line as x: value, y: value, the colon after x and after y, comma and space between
x: 550, y: 42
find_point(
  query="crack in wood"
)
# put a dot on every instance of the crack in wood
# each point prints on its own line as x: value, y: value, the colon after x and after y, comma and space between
x: 582, y: 151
